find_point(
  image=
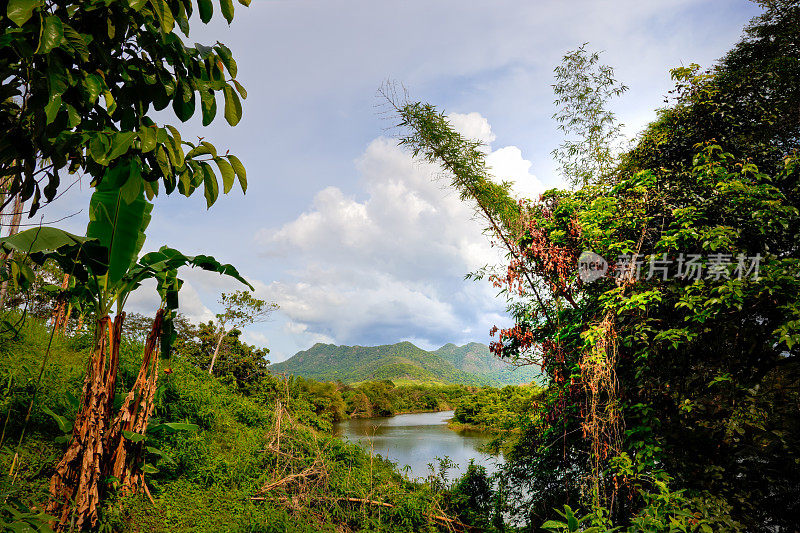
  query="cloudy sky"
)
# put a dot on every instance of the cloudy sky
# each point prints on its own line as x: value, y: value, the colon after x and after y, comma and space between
x: 356, y: 241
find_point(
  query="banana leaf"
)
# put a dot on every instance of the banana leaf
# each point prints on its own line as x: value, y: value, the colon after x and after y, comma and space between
x: 78, y: 256
x: 119, y: 225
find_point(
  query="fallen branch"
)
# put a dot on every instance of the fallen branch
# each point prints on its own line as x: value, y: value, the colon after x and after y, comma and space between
x: 305, y: 473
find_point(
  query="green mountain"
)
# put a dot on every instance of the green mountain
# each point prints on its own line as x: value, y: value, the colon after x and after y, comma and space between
x: 475, y: 358
x: 471, y: 364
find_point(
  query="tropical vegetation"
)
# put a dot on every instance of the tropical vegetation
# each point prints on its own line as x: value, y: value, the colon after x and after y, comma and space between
x: 658, y: 297
x: 672, y: 399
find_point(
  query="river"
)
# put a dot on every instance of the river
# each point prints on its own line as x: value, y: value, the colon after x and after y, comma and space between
x: 418, y: 439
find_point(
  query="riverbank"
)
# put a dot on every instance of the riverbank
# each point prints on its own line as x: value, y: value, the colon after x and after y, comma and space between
x: 444, y: 408
x: 453, y: 425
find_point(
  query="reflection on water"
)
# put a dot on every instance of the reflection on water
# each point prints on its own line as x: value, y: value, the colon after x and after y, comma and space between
x: 418, y: 439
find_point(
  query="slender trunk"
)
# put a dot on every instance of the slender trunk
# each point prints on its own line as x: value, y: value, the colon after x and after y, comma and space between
x: 66, y: 320
x: 216, y: 352
x: 12, y: 230
x: 58, y: 312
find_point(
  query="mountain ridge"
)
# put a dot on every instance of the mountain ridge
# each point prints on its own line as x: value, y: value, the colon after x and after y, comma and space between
x: 469, y: 364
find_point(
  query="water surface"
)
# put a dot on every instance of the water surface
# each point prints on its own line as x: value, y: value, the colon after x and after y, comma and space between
x: 418, y: 439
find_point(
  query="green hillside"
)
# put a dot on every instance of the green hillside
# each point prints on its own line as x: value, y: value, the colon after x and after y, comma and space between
x: 475, y: 358
x: 470, y: 364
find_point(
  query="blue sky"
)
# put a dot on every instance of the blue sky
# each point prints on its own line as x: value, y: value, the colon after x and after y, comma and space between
x: 357, y: 242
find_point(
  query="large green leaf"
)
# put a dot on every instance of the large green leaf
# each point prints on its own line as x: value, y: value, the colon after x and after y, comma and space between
x: 119, y: 226
x: 241, y: 173
x: 228, y: 175
x: 164, y: 14
x: 163, y: 266
x: 184, y: 102
x: 75, y: 40
x: 52, y: 34
x: 40, y: 240
x: 227, y: 9
x: 206, y: 9
x: 226, y: 57
x: 211, y: 185
x: 76, y: 255
x: 20, y: 11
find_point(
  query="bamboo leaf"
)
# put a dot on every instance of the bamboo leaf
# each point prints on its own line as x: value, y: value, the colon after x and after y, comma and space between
x: 119, y: 226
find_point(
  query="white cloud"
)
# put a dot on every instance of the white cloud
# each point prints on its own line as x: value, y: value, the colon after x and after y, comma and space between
x: 391, y: 266
x: 505, y: 164
x: 473, y: 126
x: 145, y: 300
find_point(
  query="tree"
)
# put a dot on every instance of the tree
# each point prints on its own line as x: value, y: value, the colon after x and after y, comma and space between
x: 241, y: 309
x: 671, y: 400
x: 583, y: 89
x: 81, y: 78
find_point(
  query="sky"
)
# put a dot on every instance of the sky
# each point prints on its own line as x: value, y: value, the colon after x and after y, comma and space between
x: 358, y: 242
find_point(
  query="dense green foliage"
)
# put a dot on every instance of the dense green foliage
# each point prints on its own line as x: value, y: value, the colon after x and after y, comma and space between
x: 211, y: 449
x: 81, y: 81
x: 497, y: 410
x: 673, y: 402
x: 471, y: 364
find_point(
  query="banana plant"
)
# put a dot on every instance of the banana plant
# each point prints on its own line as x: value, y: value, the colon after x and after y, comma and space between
x: 105, y: 263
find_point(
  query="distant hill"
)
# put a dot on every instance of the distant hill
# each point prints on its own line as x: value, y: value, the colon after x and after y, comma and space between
x: 475, y: 358
x: 471, y: 364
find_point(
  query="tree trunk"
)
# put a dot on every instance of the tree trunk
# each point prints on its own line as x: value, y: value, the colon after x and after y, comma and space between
x: 216, y: 352
x: 58, y: 312
x: 12, y: 230
x: 99, y: 449
x: 126, y: 456
x: 75, y: 487
x: 66, y: 320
